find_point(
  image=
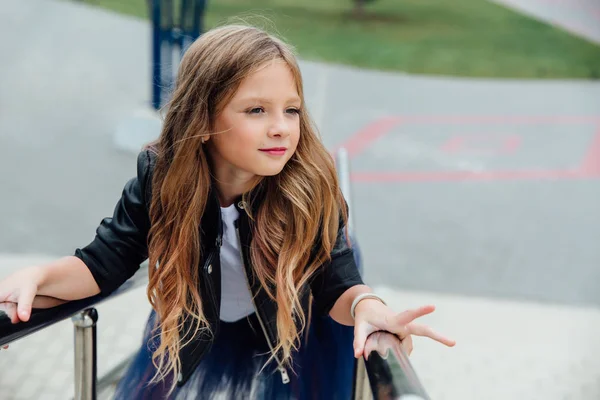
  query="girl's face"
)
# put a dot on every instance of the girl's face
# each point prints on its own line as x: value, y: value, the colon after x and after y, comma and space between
x: 258, y: 130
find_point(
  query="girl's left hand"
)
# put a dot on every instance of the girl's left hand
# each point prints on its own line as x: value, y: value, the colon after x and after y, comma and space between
x: 371, y: 315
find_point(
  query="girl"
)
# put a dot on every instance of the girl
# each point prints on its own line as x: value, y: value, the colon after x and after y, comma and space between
x: 238, y: 209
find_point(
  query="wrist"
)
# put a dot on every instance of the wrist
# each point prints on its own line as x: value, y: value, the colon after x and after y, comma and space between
x: 363, y: 299
x: 366, y: 304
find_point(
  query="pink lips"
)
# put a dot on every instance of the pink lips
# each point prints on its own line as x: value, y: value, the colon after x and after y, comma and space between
x: 275, y: 151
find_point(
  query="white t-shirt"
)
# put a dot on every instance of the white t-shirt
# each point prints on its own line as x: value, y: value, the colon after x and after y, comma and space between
x: 236, y: 300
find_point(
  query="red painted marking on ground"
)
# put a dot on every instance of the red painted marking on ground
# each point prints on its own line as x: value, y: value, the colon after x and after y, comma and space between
x: 370, y: 133
x: 590, y: 166
x: 375, y: 130
x: 482, y: 144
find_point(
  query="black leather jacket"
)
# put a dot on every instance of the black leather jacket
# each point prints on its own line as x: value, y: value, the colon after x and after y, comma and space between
x: 120, y: 246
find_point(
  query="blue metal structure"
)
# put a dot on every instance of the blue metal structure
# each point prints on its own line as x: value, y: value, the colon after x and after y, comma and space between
x: 175, y: 25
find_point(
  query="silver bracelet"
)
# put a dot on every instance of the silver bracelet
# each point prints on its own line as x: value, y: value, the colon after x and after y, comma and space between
x: 362, y: 297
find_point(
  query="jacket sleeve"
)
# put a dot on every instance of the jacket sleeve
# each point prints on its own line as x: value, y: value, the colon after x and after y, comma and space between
x: 336, y: 276
x: 120, y: 244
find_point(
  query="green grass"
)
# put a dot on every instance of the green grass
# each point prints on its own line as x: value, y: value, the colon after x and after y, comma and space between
x: 458, y: 37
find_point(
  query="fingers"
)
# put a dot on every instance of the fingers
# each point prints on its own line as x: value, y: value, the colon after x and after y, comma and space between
x: 401, y: 325
x: 404, y: 326
x: 407, y: 344
x: 360, y: 337
x: 406, y: 317
x: 25, y: 302
x: 372, y: 344
x: 426, y: 331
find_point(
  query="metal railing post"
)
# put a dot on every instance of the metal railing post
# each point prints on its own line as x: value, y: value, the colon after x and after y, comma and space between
x: 362, y: 386
x: 85, y: 354
x: 156, y: 54
x: 343, y: 170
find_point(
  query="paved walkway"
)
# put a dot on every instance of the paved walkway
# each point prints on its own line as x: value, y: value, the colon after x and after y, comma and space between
x: 478, y: 196
x: 580, y: 17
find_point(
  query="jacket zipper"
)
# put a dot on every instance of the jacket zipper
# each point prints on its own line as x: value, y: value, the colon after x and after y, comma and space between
x: 211, y: 289
x: 208, y: 262
x: 285, y: 378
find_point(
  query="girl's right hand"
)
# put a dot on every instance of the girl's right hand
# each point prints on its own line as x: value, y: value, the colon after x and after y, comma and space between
x: 20, y: 288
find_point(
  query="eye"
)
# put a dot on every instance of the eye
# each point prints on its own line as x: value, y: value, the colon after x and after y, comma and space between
x: 293, y: 111
x: 256, y: 110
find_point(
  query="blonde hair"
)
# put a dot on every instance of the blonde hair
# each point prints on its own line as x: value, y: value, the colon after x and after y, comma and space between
x: 297, y: 220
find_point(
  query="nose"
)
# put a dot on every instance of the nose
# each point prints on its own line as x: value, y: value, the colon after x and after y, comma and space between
x: 279, y: 128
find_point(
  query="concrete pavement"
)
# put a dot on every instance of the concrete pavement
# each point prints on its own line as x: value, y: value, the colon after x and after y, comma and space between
x: 580, y: 17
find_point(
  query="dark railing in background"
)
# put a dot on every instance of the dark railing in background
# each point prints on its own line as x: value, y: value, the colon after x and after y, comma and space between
x: 175, y: 25
x: 385, y: 373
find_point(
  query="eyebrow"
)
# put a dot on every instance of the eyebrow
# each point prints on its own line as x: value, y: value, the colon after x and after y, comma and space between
x: 263, y: 100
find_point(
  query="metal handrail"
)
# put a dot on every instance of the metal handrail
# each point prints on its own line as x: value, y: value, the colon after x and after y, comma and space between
x: 84, y: 317
x: 388, y: 372
x: 343, y: 171
x: 44, y: 317
x: 384, y: 373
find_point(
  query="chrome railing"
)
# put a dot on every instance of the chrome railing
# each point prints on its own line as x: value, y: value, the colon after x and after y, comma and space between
x: 384, y: 373
x: 343, y: 171
x: 84, y: 317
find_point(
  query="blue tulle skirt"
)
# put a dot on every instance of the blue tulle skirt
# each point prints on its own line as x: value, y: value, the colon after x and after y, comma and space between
x: 234, y: 368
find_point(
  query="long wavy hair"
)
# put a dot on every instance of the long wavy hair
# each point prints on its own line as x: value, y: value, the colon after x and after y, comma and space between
x: 297, y: 220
